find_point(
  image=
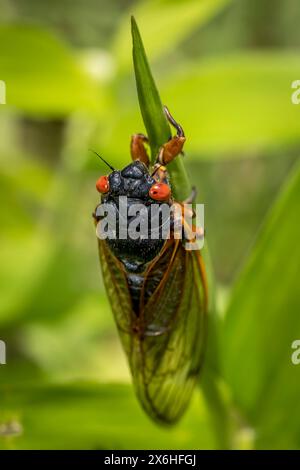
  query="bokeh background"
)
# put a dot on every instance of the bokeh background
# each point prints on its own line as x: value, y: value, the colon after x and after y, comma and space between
x: 225, y: 69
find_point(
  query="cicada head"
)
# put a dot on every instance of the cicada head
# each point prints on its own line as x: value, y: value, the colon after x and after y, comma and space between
x: 134, y: 181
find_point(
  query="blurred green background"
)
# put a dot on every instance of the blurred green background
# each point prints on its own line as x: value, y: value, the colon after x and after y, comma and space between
x: 225, y: 69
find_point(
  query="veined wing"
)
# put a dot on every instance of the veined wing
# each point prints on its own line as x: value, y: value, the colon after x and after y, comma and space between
x: 166, y: 360
x: 116, y: 285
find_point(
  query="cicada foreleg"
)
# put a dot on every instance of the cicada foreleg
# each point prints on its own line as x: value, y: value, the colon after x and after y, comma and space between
x: 183, y: 226
x: 174, y: 146
x: 138, y: 150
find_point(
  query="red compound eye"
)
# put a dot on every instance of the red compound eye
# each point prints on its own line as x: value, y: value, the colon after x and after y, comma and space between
x: 102, y: 184
x: 160, y: 192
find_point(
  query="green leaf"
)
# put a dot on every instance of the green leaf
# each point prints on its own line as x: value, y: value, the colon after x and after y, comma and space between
x: 165, y: 23
x: 41, y: 74
x: 90, y: 416
x: 158, y: 132
x: 261, y: 323
x: 157, y: 127
x: 150, y: 103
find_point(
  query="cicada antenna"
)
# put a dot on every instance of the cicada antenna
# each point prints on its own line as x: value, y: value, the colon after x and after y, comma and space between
x: 101, y: 158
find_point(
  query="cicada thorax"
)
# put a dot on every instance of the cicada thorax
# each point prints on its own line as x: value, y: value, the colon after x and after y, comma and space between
x: 157, y: 289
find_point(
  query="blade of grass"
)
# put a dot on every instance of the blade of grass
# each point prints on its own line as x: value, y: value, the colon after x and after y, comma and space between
x: 158, y: 131
x: 150, y: 103
x: 154, y: 118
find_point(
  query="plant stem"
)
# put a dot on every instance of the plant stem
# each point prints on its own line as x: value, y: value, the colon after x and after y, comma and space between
x: 154, y: 118
x: 158, y: 131
x: 218, y: 410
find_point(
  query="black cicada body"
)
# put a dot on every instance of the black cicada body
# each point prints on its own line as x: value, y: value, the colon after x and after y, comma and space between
x: 156, y: 287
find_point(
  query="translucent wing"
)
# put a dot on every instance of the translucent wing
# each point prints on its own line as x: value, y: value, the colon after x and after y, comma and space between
x: 165, y: 362
x: 116, y: 285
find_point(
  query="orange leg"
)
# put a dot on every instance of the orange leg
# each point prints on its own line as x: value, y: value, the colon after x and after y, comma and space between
x: 170, y: 150
x: 174, y: 146
x: 138, y: 150
x: 192, y: 232
x: 160, y: 173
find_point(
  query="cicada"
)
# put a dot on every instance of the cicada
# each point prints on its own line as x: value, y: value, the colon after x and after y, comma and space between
x: 156, y: 287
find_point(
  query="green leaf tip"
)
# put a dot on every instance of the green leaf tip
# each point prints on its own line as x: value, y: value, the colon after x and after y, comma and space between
x: 157, y: 127
x: 154, y: 118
